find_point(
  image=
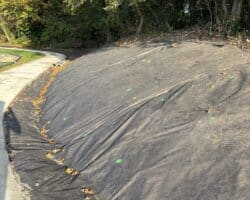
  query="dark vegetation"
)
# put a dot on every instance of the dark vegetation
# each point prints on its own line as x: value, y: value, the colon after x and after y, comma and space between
x: 88, y: 23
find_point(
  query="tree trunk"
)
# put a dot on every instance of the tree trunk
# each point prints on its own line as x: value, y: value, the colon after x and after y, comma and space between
x: 141, y: 19
x: 138, y: 32
x: 155, y: 15
x: 5, y: 30
x: 225, y: 15
x: 108, y: 35
x: 248, y: 13
x: 236, y: 10
x: 224, y: 7
x: 211, y: 16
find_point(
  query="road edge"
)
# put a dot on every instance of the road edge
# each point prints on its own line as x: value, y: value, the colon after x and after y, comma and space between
x: 14, y: 189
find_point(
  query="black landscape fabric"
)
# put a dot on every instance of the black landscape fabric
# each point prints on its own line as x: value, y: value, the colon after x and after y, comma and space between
x: 153, y: 121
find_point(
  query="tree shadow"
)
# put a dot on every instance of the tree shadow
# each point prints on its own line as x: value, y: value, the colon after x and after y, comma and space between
x: 75, y: 53
x: 8, y: 123
x: 12, y: 121
x: 11, y: 125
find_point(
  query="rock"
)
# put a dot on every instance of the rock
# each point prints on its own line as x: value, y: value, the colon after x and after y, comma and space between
x: 8, y: 58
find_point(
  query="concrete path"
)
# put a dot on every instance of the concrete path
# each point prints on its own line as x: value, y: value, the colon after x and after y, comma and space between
x: 12, y: 81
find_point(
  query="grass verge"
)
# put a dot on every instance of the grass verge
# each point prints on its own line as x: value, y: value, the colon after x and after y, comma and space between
x: 25, y: 56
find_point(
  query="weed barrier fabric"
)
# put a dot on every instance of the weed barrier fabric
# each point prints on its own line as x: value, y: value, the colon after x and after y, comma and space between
x: 149, y: 121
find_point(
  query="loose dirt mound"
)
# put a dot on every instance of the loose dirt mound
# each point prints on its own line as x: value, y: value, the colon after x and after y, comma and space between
x: 150, y: 121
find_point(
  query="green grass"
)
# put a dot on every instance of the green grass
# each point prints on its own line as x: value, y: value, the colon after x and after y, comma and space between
x: 25, y: 56
x: 3, y: 64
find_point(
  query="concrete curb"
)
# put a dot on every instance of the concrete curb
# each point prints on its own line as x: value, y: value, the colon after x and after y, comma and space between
x: 12, y: 81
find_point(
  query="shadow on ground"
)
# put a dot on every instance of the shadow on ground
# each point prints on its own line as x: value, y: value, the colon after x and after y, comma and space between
x: 13, y: 126
x: 74, y: 53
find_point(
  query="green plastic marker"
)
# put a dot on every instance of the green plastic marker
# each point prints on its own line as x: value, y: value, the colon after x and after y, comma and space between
x: 162, y: 99
x: 230, y: 77
x: 129, y: 89
x: 212, y: 117
x: 119, y: 161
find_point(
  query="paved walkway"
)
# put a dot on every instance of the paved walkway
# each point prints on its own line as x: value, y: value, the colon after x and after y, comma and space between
x: 12, y: 81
